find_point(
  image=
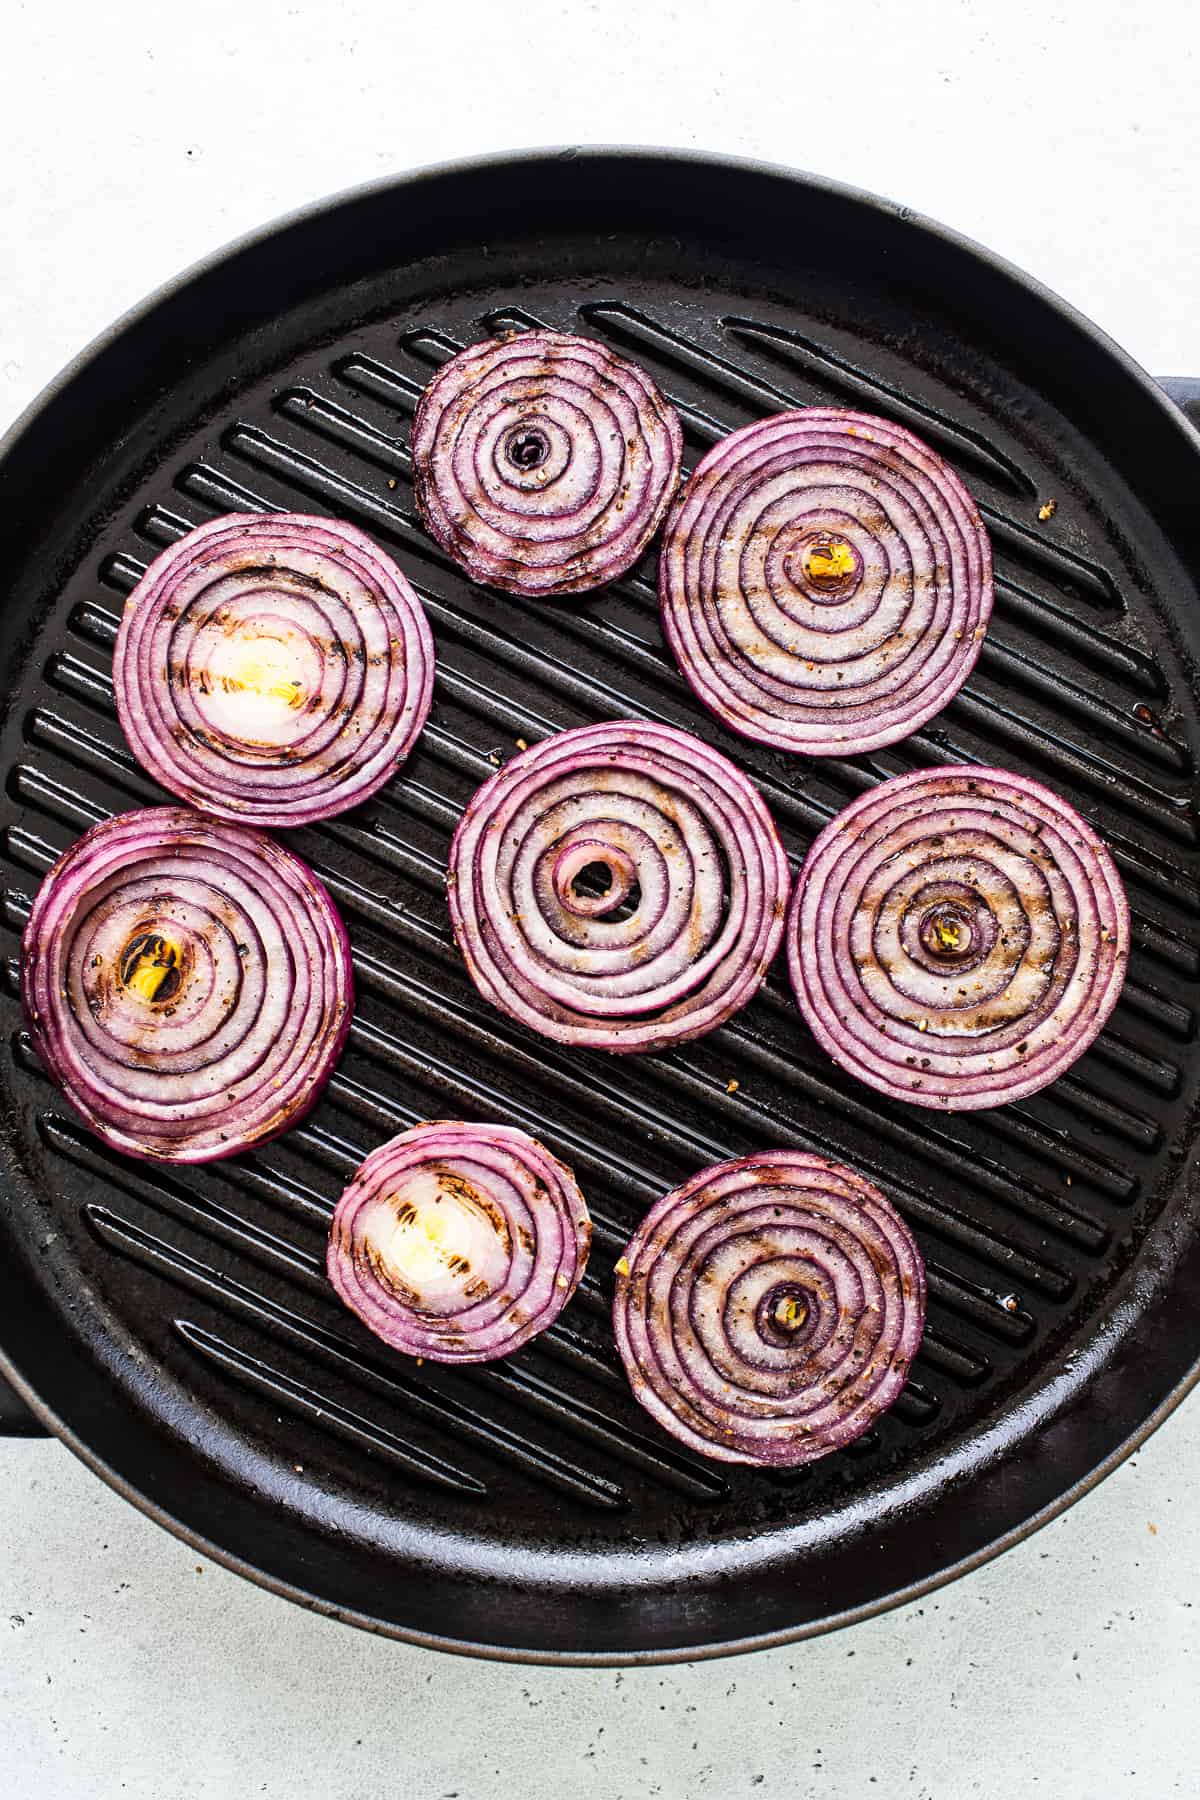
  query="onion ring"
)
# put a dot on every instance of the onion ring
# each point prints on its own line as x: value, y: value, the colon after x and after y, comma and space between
x: 825, y: 582
x: 459, y: 1242
x: 272, y: 668
x: 769, y: 1310
x: 544, y: 464
x: 958, y: 937
x: 187, y: 984
x: 692, y: 913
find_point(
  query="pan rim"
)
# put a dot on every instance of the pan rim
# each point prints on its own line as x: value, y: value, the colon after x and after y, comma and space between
x: 457, y: 167
x: 523, y: 1655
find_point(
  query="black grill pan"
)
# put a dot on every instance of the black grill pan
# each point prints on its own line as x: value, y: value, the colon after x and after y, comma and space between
x: 173, y: 1326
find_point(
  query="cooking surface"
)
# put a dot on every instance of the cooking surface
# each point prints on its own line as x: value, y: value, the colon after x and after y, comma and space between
x: 202, y: 1291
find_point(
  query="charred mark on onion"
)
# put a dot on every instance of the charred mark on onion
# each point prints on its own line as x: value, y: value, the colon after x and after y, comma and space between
x: 150, y: 967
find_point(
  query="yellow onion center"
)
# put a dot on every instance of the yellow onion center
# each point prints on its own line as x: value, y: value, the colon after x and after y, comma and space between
x: 150, y: 967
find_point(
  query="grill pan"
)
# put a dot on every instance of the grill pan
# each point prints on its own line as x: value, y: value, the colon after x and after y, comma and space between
x: 173, y: 1326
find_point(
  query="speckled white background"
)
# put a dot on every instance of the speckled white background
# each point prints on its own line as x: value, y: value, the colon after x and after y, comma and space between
x: 135, y: 138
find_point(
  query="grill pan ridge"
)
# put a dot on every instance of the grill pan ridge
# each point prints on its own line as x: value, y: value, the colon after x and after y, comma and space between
x: 174, y: 1324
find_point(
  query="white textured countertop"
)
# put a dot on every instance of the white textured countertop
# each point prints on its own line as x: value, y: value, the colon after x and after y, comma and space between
x: 134, y: 139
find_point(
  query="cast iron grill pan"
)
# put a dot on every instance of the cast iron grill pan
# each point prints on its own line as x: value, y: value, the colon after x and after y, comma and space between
x: 175, y: 1326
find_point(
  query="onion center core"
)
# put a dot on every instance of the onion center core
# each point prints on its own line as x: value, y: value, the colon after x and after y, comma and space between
x: 825, y: 566
x: 420, y: 1236
x: 527, y: 447
x: 947, y: 932
x: 595, y: 878
x: 592, y: 878
x: 251, y: 677
x: 783, y: 1312
x: 152, y: 967
x: 789, y: 1313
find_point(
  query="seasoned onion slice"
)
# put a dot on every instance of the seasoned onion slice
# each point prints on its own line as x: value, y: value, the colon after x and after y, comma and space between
x: 459, y: 1242
x: 958, y: 937
x: 273, y: 668
x: 825, y: 582
x: 187, y: 984
x: 620, y: 887
x: 768, y: 1311
x: 543, y: 463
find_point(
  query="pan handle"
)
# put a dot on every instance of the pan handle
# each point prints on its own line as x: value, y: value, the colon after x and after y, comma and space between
x: 16, y: 1420
x: 1184, y: 390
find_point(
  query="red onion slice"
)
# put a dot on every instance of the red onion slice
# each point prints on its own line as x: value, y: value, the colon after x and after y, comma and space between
x: 459, y: 1242
x: 769, y: 1310
x: 187, y: 984
x: 697, y: 885
x: 958, y: 937
x: 543, y: 463
x: 825, y: 582
x: 273, y: 668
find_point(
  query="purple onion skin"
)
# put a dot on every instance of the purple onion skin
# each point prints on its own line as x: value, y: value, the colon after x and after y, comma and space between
x: 825, y: 582
x: 273, y: 668
x: 457, y: 1242
x: 542, y: 463
x: 187, y: 984
x: 669, y: 816
x: 958, y: 937
x: 769, y: 1310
